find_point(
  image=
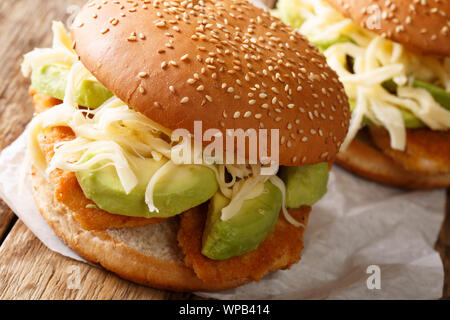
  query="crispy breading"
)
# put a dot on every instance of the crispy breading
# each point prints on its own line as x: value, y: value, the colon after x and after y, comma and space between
x: 67, y: 188
x: 281, y: 249
x: 42, y: 101
x: 427, y: 151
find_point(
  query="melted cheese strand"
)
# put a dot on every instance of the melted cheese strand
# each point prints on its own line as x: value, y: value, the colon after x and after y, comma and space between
x: 280, y: 185
x: 81, y: 154
x: 151, y: 185
x: 357, y: 117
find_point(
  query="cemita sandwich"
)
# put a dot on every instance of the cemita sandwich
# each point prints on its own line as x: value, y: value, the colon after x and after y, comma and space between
x: 109, y: 97
x: 393, y: 58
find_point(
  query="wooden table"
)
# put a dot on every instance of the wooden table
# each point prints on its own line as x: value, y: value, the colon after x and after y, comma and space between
x: 28, y: 270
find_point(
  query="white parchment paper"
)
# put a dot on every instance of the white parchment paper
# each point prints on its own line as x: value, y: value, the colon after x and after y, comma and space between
x: 357, y: 224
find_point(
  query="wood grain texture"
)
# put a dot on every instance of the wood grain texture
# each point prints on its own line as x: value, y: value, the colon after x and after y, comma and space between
x: 29, y: 270
x: 7, y: 218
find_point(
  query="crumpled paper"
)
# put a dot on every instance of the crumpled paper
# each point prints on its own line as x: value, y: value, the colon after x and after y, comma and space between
x: 358, y: 226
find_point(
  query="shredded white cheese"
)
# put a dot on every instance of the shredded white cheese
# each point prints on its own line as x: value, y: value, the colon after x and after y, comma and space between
x: 376, y: 60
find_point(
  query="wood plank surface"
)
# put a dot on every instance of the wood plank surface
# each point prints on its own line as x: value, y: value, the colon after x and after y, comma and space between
x: 28, y: 270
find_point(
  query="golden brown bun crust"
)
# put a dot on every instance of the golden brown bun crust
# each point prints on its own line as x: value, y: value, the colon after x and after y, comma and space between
x: 224, y: 62
x: 420, y: 25
x: 364, y: 159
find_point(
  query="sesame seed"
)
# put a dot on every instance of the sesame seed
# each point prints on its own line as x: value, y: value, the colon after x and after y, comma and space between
x: 143, y: 74
x: 160, y: 24
x: 184, y: 100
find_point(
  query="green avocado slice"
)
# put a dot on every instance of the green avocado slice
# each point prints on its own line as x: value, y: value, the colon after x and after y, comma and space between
x: 305, y: 185
x: 179, y: 189
x: 52, y: 80
x: 244, y: 231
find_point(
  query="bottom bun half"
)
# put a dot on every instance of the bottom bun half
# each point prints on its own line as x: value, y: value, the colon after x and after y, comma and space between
x: 149, y: 255
x: 365, y: 159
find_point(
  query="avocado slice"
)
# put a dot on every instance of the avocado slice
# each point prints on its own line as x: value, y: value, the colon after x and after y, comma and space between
x: 181, y: 188
x: 411, y: 121
x: 52, y: 80
x: 305, y: 185
x: 244, y: 231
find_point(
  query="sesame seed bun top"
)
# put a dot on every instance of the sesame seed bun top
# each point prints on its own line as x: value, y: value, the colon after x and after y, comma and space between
x: 225, y: 62
x: 422, y: 25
